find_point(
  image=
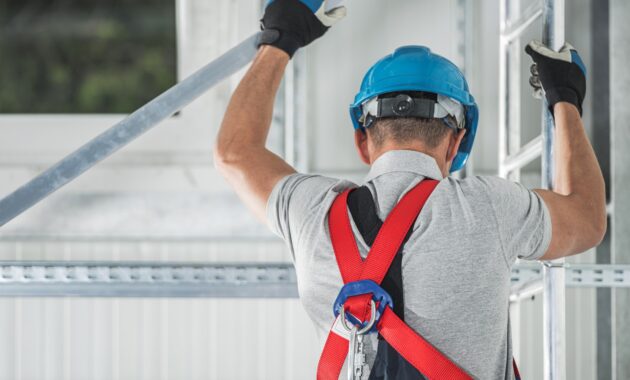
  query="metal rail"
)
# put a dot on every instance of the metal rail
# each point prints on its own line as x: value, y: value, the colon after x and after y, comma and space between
x: 554, y: 302
x: 111, y: 279
x: 528, y: 153
x: 526, y: 290
x: 134, y: 125
x: 513, y: 157
x: 513, y: 30
x: 226, y: 280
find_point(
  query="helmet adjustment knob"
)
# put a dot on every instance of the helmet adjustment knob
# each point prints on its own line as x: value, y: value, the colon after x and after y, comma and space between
x: 403, y: 105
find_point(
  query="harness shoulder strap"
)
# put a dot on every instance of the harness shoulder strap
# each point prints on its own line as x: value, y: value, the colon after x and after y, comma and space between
x: 388, y: 364
x: 363, y: 210
x: 419, y: 353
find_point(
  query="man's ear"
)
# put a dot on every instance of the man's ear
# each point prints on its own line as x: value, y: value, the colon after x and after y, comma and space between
x: 361, y: 142
x: 453, y: 146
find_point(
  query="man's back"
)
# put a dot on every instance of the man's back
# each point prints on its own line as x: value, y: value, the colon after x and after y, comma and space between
x: 456, y: 266
x: 456, y: 263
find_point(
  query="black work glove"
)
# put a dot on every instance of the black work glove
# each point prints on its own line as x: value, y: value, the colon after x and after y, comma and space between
x: 292, y: 24
x: 562, y: 75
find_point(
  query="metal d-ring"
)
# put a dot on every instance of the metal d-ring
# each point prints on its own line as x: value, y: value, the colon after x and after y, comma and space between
x: 368, y: 327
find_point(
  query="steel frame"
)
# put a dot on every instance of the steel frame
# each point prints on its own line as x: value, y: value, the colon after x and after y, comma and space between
x: 512, y: 158
x: 111, y: 279
x: 225, y: 280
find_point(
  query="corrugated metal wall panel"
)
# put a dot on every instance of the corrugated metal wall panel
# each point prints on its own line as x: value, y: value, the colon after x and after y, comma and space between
x: 82, y: 338
x: 155, y: 339
x: 205, y: 338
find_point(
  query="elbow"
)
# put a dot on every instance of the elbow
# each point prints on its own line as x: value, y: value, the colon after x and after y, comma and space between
x: 597, y: 226
x: 600, y: 228
x: 226, y: 152
x: 232, y: 156
x: 224, y: 157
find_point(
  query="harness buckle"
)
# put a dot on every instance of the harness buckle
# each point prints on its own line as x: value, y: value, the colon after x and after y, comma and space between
x: 380, y: 300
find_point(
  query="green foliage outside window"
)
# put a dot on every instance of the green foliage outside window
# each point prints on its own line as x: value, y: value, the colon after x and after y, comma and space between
x: 85, y: 56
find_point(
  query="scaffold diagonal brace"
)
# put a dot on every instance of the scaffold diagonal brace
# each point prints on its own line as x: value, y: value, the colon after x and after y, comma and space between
x: 127, y: 130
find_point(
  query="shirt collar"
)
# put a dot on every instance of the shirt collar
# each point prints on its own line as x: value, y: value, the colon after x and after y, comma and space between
x: 405, y: 161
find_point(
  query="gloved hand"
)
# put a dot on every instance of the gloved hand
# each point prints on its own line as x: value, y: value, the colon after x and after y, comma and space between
x: 292, y: 24
x: 562, y: 74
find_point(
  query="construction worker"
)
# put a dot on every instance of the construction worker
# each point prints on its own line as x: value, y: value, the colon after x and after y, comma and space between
x: 450, y: 244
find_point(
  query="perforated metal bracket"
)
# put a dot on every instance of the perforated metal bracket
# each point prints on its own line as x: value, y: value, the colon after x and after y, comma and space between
x: 527, y: 279
x: 247, y: 280
x: 578, y: 275
x: 598, y: 275
x: 103, y: 279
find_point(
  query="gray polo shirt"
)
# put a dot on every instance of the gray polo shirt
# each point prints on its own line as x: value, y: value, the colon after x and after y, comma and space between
x: 455, y: 267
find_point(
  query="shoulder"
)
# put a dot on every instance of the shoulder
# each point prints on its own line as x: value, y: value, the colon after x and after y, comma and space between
x: 482, y: 182
x: 489, y: 187
x: 296, y: 197
x: 486, y: 194
x: 308, y: 187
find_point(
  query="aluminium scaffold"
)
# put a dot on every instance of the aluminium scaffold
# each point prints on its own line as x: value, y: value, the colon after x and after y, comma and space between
x: 225, y: 280
x: 513, y: 157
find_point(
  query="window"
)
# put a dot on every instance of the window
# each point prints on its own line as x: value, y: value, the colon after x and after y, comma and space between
x: 85, y: 56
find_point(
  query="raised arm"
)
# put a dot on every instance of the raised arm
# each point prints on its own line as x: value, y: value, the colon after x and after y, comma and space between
x: 577, y: 203
x: 240, y: 153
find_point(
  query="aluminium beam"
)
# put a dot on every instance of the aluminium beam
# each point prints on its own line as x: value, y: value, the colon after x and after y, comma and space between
x: 554, y: 302
x: 513, y: 30
x: 127, y: 130
x: 526, y: 290
x: 620, y: 179
x: 509, y: 89
x: 528, y: 153
x: 226, y: 280
x: 114, y: 279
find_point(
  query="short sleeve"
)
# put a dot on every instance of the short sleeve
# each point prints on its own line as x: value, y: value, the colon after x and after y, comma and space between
x: 522, y: 218
x: 293, y: 202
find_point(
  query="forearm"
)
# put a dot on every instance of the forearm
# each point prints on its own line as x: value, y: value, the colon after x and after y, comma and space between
x: 248, y: 117
x: 577, y: 172
x: 580, y: 200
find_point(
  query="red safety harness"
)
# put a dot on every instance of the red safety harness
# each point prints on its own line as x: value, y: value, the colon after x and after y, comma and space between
x: 356, y: 306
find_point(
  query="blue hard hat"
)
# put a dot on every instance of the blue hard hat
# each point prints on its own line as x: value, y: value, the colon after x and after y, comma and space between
x: 416, y: 68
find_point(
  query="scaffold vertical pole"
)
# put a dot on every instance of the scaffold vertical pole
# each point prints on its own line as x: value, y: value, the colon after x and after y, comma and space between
x: 503, y: 90
x: 554, y: 273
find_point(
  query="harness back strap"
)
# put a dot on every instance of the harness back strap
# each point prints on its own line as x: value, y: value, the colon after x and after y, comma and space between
x: 388, y: 364
x: 365, y: 216
x: 415, y: 349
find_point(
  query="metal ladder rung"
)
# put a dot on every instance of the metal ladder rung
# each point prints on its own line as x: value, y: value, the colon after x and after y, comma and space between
x: 528, y: 153
x: 514, y: 29
x: 527, y: 290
